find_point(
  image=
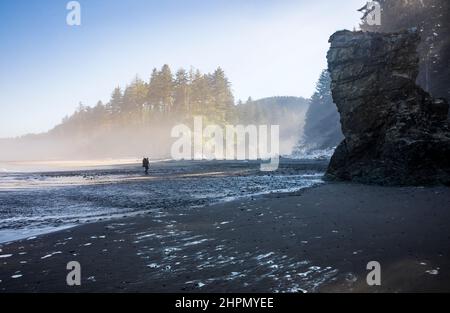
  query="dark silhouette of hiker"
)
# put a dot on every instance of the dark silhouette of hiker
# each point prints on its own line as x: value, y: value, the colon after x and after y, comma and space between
x: 146, y: 164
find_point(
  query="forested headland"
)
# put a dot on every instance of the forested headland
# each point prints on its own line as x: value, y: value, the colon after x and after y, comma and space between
x: 137, y: 120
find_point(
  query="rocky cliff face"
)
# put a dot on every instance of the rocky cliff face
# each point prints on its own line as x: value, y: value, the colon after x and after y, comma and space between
x: 395, y: 133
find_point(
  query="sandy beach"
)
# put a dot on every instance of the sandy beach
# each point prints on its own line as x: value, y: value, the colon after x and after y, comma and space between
x: 318, y: 239
x: 225, y: 155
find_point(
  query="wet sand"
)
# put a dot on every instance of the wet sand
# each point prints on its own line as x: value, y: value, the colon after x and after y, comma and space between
x: 39, y: 202
x: 317, y: 240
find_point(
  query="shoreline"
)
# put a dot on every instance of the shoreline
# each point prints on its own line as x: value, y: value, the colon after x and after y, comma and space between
x: 33, y: 233
x: 319, y: 239
x: 39, y: 203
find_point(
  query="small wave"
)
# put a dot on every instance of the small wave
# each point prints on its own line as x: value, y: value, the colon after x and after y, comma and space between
x: 305, y: 153
x: 306, y: 184
x: 9, y: 235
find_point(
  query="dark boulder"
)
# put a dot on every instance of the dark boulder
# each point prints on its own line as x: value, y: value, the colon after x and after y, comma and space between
x: 395, y: 132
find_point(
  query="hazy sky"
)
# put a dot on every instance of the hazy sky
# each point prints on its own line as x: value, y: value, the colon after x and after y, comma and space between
x: 267, y: 48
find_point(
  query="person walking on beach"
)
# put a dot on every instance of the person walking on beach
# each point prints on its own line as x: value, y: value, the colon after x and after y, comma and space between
x: 146, y: 164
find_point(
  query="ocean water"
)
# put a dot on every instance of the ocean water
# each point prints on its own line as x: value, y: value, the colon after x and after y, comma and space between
x: 33, y: 203
x: 306, y: 153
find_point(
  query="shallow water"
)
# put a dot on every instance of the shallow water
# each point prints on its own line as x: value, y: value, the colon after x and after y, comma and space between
x: 36, y: 203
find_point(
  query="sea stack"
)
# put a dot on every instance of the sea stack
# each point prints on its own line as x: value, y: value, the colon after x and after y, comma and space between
x: 395, y: 132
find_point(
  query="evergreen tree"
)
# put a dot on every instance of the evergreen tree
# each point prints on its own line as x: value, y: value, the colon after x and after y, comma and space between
x: 160, y: 90
x: 99, y: 116
x: 181, y: 92
x: 134, y: 99
x: 200, y: 94
x: 223, y: 97
x: 166, y: 88
x: 116, y: 102
x: 322, y: 125
x: 153, y: 93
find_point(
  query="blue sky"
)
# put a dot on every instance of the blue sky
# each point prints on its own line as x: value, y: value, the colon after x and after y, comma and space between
x: 266, y: 47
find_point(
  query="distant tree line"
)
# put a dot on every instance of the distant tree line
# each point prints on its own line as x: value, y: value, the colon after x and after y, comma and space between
x: 164, y: 99
x: 138, y: 119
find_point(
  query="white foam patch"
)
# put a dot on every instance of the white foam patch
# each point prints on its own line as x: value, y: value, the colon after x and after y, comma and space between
x: 191, y: 238
x: 50, y: 255
x: 146, y: 236
x: 263, y: 256
x: 433, y: 272
x: 4, y: 256
x: 197, y: 284
x: 296, y: 289
x: 193, y: 243
x: 171, y: 249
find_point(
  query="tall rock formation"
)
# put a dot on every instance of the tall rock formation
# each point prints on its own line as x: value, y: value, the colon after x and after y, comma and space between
x: 395, y: 132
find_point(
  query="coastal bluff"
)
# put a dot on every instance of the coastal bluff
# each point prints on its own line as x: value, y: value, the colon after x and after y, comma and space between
x: 395, y: 132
